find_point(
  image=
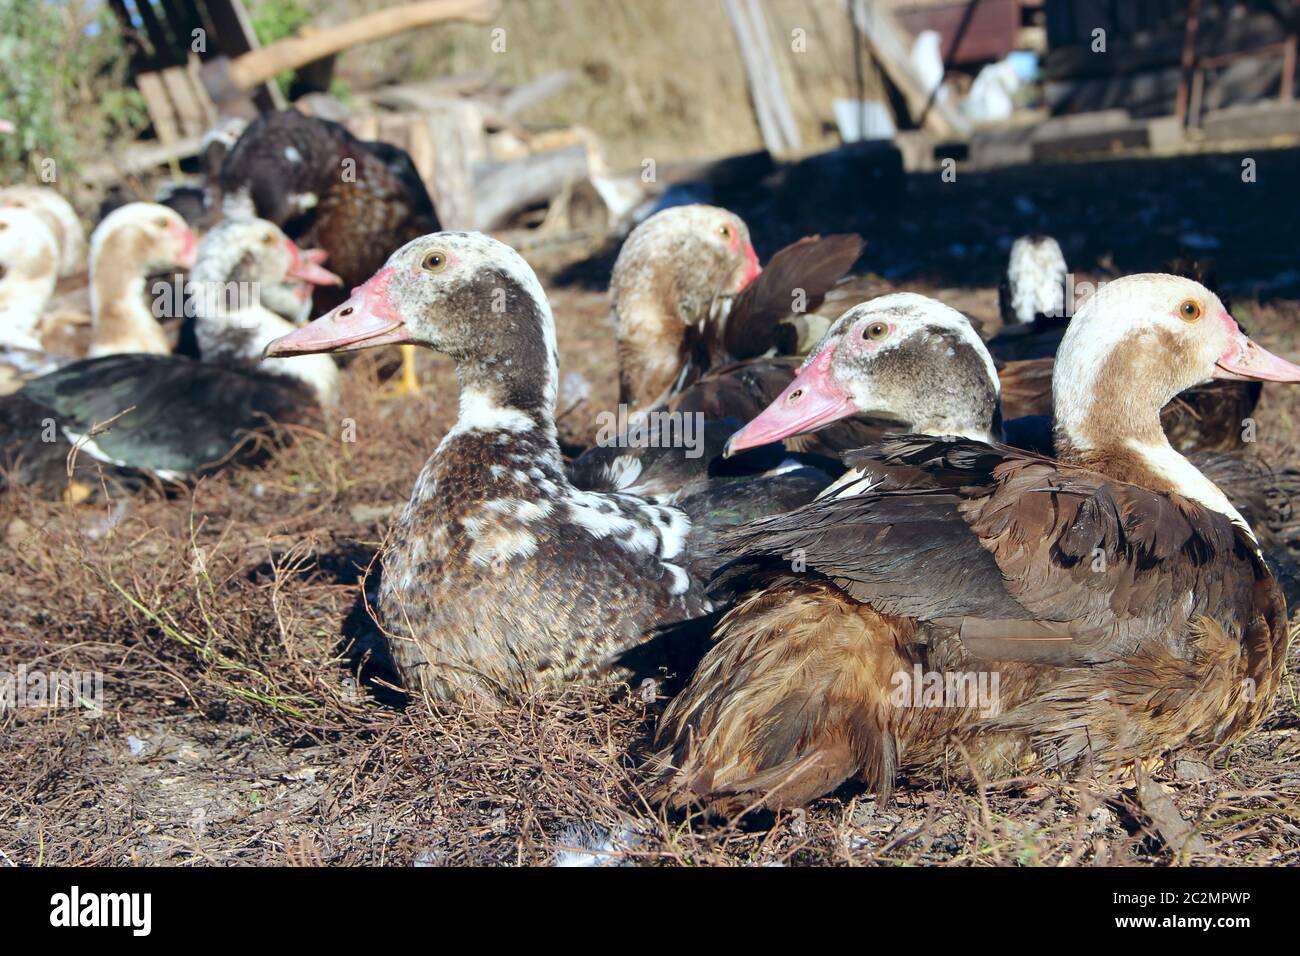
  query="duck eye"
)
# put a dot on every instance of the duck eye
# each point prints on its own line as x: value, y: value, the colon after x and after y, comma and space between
x: 162, y: 223
x: 268, y: 239
x: 725, y: 232
x: 434, y: 261
x: 875, y: 331
x: 1190, y: 310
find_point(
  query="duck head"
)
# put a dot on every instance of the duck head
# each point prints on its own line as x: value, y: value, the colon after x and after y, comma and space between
x: 292, y: 298
x: 1134, y: 345
x: 463, y: 294
x: 59, y: 215
x: 242, y: 265
x: 669, y: 273
x: 130, y: 244
x: 29, y: 266
x: 255, y: 252
x: 905, y: 358
x: 148, y: 236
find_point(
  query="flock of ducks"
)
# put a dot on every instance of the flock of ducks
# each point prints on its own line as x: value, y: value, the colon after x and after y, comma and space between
x: 860, y: 506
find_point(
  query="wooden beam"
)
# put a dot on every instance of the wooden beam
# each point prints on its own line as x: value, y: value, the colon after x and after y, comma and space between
x: 261, y: 65
x: 1288, y: 70
x: 504, y: 189
x: 771, y: 106
x: 1188, y: 60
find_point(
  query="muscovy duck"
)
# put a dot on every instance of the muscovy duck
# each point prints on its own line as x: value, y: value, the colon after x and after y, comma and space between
x: 357, y: 200
x: 703, y: 331
x: 1115, y: 601
x: 503, y: 578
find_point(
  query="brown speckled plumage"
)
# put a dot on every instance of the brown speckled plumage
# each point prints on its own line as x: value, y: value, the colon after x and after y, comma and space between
x: 501, y: 578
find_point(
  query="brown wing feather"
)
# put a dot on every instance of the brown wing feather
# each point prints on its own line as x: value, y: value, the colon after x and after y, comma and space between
x: 1026, y: 387
x: 812, y: 265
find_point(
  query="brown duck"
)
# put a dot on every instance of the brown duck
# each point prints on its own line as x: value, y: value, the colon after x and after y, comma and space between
x: 1114, y: 602
x: 502, y: 578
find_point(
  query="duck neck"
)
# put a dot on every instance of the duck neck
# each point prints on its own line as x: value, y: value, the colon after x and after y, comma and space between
x: 651, y: 338
x: 960, y: 425
x: 120, y: 320
x: 23, y: 299
x: 1107, y: 405
x: 508, y: 384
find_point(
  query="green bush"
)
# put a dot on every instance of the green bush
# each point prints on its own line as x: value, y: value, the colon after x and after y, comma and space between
x: 63, y: 86
x: 274, y: 20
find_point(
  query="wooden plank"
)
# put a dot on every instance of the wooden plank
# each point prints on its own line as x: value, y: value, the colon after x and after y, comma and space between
x: 536, y: 91
x: 161, y: 112
x: 1288, y: 70
x: 423, y: 154
x: 190, y: 114
x: 1163, y: 47
x: 139, y: 158
x: 258, y: 66
x: 193, y: 68
x: 508, y: 188
x: 771, y: 107
x: 776, y: 87
x: 1187, y: 60
x: 457, y: 145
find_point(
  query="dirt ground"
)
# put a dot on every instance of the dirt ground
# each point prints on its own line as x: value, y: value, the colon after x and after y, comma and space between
x: 243, y: 723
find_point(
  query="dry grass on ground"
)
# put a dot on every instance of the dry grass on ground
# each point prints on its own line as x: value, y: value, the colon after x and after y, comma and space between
x: 223, y: 621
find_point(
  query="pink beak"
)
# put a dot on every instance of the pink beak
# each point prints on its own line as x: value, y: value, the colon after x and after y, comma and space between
x: 306, y: 266
x: 810, y: 402
x: 363, y: 321
x: 753, y: 269
x: 188, y: 252
x: 1244, y: 360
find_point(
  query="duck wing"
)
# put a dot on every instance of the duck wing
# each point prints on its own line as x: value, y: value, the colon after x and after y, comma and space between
x: 164, y: 415
x: 1031, y: 560
x: 1026, y: 387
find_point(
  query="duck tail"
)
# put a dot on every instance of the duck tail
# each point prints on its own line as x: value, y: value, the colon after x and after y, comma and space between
x: 792, y: 284
x: 791, y: 701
